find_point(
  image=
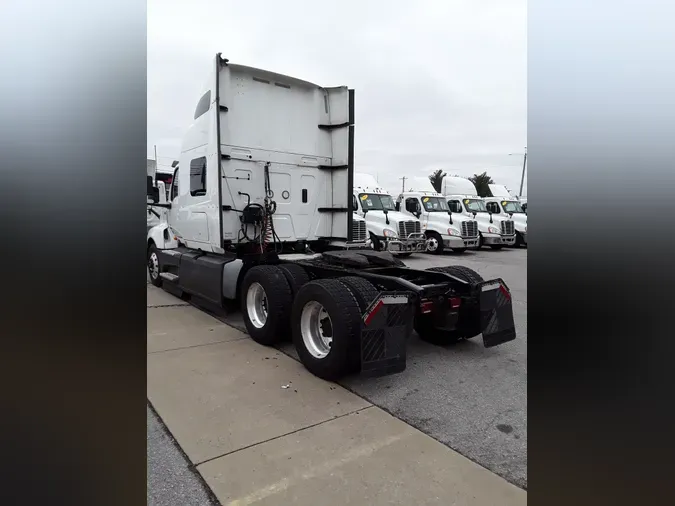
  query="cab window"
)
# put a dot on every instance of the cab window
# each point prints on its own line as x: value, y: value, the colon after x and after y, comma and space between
x: 411, y: 205
x: 492, y: 207
x: 455, y: 206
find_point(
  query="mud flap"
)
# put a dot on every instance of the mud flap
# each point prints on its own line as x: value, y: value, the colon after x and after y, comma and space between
x: 387, y: 324
x: 496, y: 313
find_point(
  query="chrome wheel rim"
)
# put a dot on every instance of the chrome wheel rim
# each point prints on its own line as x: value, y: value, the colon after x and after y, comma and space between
x: 316, y: 328
x: 432, y: 244
x: 153, y: 265
x: 256, y: 305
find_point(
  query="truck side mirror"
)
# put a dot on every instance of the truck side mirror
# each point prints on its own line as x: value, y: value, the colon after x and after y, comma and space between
x: 152, y: 190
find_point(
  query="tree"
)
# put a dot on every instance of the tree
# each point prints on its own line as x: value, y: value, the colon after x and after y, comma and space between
x: 481, y: 182
x: 436, y: 179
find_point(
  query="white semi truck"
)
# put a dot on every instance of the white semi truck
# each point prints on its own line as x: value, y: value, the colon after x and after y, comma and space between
x: 442, y: 228
x: 389, y: 229
x: 502, y: 203
x: 496, y: 230
x: 260, y: 211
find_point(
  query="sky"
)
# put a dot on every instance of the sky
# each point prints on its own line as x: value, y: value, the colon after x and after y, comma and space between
x: 438, y: 84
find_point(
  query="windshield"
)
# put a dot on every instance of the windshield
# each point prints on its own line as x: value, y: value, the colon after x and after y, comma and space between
x: 432, y: 204
x: 370, y: 202
x: 512, y: 207
x: 475, y: 206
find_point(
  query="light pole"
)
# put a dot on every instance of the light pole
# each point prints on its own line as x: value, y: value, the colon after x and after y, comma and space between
x: 522, y: 178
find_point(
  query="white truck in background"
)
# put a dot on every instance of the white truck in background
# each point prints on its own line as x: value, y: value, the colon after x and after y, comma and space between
x: 442, y: 228
x: 260, y: 211
x: 503, y: 203
x: 389, y: 229
x: 495, y: 231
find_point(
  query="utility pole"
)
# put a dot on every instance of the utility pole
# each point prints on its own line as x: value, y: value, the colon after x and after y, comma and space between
x: 403, y: 185
x: 522, y: 178
x: 155, y: 176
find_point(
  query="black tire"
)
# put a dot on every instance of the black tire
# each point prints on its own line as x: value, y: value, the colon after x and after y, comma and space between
x: 345, y: 315
x: 480, y: 241
x: 469, y: 324
x: 279, y: 301
x: 439, y: 241
x: 376, y: 243
x: 364, y: 291
x: 153, y: 251
x: 458, y: 250
x: 461, y: 272
x: 296, y: 276
x: 519, y: 240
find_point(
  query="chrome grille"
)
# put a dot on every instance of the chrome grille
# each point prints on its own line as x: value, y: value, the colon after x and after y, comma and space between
x: 358, y: 230
x: 470, y: 229
x: 508, y: 227
x: 405, y: 228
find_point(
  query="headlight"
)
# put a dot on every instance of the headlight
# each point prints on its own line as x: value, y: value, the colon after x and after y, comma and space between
x: 390, y: 233
x: 493, y: 230
x: 454, y: 231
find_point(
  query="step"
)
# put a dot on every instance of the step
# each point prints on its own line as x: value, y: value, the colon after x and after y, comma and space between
x: 169, y: 277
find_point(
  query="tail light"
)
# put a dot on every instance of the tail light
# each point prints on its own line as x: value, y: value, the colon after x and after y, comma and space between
x: 455, y: 302
x: 426, y: 306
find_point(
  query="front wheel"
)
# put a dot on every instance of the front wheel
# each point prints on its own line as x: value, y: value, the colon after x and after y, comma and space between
x: 375, y: 243
x: 519, y: 240
x: 154, y: 267
x: 434, y: 243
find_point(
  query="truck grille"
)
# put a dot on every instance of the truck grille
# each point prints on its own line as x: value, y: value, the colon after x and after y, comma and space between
x: 405, y: 228
x: 470, y: 229
x: 508, y: 227
x: 358, y: 230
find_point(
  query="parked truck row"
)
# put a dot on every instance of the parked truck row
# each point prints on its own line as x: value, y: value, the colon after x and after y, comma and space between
x: 263, y: 209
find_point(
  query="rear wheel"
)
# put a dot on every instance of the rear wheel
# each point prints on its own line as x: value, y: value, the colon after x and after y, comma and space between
x: 468, y: 325
x: 266, y: 301
x: 364, y: 291
x: 296, y: 276
x: 154, y: 267
x: 434, y: 243
x: 326, y: 326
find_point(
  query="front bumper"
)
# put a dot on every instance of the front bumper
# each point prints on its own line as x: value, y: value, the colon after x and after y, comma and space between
x: 496, y: 239
x: 411, y: 244
x: 454, y: 242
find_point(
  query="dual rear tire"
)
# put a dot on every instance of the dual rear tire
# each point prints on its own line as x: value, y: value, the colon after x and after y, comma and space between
x: 468, y: 325
x: 323, y: 317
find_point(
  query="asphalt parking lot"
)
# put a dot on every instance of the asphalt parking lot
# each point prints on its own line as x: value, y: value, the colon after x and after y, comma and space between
x: 472, y: 399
